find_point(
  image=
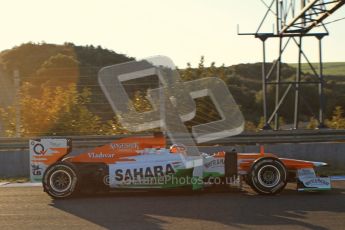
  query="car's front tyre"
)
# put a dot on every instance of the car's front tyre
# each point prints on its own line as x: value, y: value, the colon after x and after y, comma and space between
x: 268, y: 176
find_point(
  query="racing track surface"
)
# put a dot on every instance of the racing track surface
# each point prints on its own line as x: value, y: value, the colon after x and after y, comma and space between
x: 30, y: 208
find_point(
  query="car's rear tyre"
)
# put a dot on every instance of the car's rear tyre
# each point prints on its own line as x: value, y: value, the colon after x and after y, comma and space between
x: 61, y: 180
x: 268, y: 176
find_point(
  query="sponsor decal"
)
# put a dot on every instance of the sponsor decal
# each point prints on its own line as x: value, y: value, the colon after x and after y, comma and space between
x: 53, y: 144
x: 115, y: 146
x: 152, y: 171
x: 39, y: 149
x: 215, y: 162
x: 306, y: 172
x: 316, y: 181
x: 101, y: 155
x: 177, y: 164
x: 36, y: 170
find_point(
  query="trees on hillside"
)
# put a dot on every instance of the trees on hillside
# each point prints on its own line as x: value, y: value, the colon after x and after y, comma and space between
x: 337, y: 120
x: 57, y: 95
x: 56, y: 111
x: 60, y: 95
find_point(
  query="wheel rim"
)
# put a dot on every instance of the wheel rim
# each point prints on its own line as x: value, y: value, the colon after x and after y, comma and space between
x: 269, y: 176
x: 60, y: 181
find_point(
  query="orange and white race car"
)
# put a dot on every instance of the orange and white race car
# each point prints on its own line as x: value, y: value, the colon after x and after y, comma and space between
x: 144, y: 162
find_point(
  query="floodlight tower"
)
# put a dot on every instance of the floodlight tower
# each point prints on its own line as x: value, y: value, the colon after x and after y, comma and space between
x: 294, y: 21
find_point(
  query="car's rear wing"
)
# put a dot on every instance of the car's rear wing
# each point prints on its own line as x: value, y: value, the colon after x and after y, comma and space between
x: 44, y: 152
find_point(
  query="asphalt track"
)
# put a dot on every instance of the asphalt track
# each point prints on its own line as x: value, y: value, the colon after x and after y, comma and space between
x: 30, y: 208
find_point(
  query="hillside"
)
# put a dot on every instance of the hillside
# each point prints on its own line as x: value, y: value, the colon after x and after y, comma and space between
x: 43, y: 67
x: 61, y: 65
x: 329, y: 68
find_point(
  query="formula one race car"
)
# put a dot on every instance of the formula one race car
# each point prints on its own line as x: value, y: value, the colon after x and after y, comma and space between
x: 143, y: 162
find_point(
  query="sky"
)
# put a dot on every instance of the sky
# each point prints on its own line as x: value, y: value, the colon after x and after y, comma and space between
x: 183, y: 30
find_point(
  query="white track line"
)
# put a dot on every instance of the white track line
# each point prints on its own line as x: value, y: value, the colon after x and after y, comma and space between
x: 7, y: 184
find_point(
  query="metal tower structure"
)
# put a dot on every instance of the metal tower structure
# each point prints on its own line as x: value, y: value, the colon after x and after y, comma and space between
x: 294, y: 21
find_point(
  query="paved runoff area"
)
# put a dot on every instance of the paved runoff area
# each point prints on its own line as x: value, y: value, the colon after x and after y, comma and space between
x: 28, y: 207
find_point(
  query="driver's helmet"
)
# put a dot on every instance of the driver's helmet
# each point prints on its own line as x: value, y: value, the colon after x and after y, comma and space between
x: 178, y: 148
